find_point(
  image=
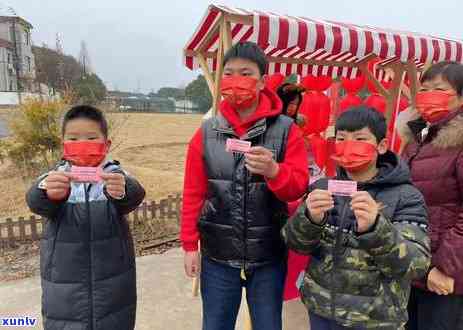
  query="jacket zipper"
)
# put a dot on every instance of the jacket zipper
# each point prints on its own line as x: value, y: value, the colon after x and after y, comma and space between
x: 245, y: 221
x: 90, y: 273
x: 335, y: 260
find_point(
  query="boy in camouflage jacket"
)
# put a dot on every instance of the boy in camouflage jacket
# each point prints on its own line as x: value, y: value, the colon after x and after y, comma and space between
x: 367, y: 248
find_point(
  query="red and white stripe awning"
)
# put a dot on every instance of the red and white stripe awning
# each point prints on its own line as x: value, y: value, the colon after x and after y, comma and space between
x: 286, y: 39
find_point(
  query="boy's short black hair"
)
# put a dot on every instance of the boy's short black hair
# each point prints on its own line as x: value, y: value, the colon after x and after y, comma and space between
x: 87, y: 112
x: 248, y: 51
x: 357, y: 118
x: 452, y: 72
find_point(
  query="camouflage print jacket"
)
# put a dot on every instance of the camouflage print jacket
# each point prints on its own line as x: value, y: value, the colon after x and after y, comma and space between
x: 363, y: 280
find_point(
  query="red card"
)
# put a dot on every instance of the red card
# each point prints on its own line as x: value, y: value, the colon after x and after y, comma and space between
x: 86, y: 174
x: 239, y: 146
x: 342, y: 188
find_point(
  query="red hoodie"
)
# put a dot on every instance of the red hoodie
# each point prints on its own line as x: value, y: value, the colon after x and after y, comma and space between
x: 289, y: 185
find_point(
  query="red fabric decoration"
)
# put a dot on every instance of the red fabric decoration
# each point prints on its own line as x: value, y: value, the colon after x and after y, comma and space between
x: 319, y: 84
x: 274, y: 81
x: 316, y: 108
x: 353, y: 86
x: 378, y: 102
x: 318, y: 147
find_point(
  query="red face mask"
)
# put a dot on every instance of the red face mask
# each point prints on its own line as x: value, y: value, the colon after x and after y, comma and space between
x: 434, y: 105
x: 354, y: 156
x: 85, y: 153
x: 239, y: 91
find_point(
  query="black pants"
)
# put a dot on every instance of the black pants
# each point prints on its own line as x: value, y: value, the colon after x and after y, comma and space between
x: 429, y: 311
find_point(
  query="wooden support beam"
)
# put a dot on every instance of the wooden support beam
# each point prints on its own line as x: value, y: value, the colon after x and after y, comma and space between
x: 394, y: 93
x: 240, y: 19
x: 370, y: 77
x: 276, y: 59
x: 414, y: 83
x: 227, y: 35
x: 207, y: 73
x: 219, y: 70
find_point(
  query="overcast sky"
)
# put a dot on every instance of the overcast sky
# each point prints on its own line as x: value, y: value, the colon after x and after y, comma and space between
x: 139, y: 42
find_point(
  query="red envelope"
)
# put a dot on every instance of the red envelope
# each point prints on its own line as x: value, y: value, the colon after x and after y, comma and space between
x: 86, y: 174
x: 238, y: 146
x: 342, y: 188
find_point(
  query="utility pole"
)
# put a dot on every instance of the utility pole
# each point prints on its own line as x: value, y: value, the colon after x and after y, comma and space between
x: 59, y: 49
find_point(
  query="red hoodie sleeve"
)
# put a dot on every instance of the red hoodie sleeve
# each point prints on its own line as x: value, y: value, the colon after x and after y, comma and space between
x: 194, y: 193
x: 293, y: 178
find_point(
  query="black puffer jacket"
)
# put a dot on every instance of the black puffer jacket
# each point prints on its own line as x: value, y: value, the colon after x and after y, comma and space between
x: 87, y: 260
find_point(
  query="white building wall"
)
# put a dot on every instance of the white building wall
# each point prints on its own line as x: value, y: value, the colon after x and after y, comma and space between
x: 24, y: 51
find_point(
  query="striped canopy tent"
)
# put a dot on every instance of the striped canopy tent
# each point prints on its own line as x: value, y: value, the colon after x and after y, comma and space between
x: 295, y: 44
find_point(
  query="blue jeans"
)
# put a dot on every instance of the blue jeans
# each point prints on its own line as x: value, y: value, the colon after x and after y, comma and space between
x: 320, y: 323
x: 221, y: 288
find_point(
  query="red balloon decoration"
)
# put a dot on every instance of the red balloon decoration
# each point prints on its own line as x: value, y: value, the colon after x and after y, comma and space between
x: 316, y: 107
x: 378, y: 102
x: 352, y: 87
x: 349, y: 101
x: 319, y: 84
x: 274, y: 81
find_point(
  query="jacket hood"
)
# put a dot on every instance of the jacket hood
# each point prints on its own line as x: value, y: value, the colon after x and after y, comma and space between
x: 392, y: 171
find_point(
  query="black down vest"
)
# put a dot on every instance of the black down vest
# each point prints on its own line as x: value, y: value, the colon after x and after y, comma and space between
x: 241, y: 218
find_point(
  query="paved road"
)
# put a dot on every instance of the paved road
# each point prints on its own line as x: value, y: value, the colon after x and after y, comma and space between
x: 164, y: 297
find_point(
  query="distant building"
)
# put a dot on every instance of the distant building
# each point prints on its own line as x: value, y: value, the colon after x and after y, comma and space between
x: 17, y: 61
x: 185, y: 106
x: 139, y: 102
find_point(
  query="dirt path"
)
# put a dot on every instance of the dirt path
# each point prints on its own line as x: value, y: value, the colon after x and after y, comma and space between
x: 164, y: 297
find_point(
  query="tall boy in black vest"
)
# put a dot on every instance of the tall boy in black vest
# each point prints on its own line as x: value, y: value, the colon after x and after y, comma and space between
x: 242, y: 167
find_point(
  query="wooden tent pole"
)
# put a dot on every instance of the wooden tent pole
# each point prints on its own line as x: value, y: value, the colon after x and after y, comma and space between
x: 414, y: 83
x: 370, y: 77
x: 207, y: 73
x: 394, y: 93
x: 219, y: 68
x: 227, y: 35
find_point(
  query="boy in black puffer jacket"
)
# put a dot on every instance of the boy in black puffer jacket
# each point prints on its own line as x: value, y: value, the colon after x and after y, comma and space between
x: 87, y: 260
x: 367, y: 248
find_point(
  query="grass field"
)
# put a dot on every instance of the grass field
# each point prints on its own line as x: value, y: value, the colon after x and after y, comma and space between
x: 150, y: 146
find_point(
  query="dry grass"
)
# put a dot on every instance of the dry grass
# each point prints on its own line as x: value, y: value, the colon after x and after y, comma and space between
x: 150, y: 146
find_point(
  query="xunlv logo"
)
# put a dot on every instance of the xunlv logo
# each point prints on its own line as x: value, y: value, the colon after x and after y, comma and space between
x: 18, y: 321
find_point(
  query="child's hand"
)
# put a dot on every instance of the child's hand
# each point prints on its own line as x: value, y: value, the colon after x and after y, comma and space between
x: 318, y: 203
x: 115, y: 184
x: 58, y: 185
x: 259, y: 160
x: 192, y: 264
x: 365, y: 210
x: 440, y: 283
